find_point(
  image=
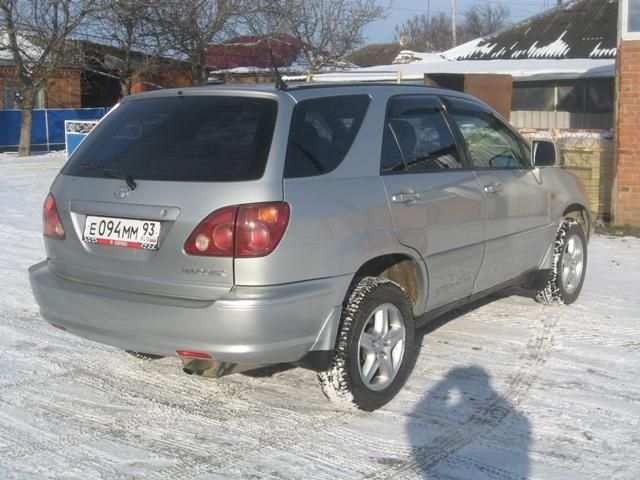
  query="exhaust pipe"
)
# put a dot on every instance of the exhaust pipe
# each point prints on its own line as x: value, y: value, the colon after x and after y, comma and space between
x: 212, y: 368
x: 197, y: 366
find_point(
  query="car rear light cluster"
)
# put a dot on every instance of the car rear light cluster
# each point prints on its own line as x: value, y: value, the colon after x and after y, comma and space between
x: 241, y: 231
x: 51, y: 224
x: 189, y: 354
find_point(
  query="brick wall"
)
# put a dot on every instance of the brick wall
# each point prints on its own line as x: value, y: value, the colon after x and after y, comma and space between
x: 63, y: 90
x: 167, y: 78
x: 626, y: 189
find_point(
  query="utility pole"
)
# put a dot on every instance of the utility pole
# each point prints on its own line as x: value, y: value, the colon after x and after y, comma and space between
x: 454, y: 33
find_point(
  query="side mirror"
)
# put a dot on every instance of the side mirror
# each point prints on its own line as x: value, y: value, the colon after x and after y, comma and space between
x: 544, y: 153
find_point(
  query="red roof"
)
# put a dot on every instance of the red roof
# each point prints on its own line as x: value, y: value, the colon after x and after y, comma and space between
x: 253, y: 51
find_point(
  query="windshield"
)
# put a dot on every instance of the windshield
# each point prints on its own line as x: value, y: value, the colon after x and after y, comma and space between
x: 199, y: 138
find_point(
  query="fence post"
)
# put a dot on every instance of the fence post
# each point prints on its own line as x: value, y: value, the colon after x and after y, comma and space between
x: 46, y: 128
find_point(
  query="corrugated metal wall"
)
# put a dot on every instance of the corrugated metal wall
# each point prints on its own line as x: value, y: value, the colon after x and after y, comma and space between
x: 531, y: 119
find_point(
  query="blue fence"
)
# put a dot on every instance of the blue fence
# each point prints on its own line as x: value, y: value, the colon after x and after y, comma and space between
x: 47, y: 132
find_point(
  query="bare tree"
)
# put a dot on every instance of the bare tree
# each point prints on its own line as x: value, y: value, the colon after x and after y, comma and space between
x: 128, y: 27
x: 433, y: 33
x: 325, y: 30
x: 35, y: 33
x: 426, y: 33
x: 484, y: 19
x: 190, y: 26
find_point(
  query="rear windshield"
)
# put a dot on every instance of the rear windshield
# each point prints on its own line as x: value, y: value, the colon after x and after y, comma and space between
x: 200, y: 138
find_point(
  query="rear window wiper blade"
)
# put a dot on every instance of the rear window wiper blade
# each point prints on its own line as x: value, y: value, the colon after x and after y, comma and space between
x: 112, y: 173
x: 312, y: 158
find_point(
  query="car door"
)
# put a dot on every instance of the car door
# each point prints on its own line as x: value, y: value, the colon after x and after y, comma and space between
x: 517, y: 204
x: 436, y: 203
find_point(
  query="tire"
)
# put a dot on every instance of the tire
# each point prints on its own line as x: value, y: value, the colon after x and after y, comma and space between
x: 569, y: 266
x: 375, y: 348
x: 144, y: 356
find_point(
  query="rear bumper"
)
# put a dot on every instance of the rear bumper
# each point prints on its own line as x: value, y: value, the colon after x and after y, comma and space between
x: 259, y: 325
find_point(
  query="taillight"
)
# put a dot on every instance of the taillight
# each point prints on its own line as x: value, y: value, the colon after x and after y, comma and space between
x: 242, y: 231
x: 51, y: 223
x: 214, y: 235
x: 259, y: 228
x: 186, y: 353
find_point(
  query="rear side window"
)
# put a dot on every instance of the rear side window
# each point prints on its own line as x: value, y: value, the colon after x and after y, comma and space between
x: 322, y: 131
x: 200, y: 138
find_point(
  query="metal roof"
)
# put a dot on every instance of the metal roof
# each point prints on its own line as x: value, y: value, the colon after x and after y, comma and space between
x: 577, y: 29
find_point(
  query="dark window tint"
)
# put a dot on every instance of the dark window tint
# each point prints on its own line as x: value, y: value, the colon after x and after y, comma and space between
x: 594, y: 95
x: 600, y: 95
x: 571, y: 98
x: 201, y: 138
x: 322, y: 131
x: 418, y: 140
x: 536, y: 96
x: 489, y: 142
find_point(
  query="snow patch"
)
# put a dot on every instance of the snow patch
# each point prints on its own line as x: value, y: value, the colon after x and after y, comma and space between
x: 410, y: 56
x: 598, y: 52
x: 518, y: 69
x: 464, y: 50
x: 28, y: 49
x: 555, y: 49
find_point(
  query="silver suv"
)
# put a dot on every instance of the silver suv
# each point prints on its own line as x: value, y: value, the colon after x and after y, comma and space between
x: 313, y: 225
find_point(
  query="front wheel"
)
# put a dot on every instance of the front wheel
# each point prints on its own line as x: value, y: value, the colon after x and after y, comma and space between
x: 375, y: 346
x: 569, y: 265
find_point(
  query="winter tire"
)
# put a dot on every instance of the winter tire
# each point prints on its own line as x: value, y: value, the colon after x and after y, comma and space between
x: 569, y: 265
x: 375, y: 348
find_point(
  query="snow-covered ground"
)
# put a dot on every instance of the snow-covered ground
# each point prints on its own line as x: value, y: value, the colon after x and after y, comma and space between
x: 504, y: 389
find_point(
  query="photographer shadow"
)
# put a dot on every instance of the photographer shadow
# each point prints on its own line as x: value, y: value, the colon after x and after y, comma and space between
x: 464, y: 429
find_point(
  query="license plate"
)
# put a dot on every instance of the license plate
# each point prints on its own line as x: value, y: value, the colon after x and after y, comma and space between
x: 122, y: 232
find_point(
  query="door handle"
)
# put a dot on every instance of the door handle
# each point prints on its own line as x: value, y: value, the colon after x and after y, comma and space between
x: 406, y: 197
x: 493, y: 188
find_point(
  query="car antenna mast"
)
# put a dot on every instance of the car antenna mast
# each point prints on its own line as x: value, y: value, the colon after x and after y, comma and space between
x: 280, y: 83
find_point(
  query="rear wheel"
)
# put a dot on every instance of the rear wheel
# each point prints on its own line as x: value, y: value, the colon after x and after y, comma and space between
x: 569, y: 265
x: 375, y: 347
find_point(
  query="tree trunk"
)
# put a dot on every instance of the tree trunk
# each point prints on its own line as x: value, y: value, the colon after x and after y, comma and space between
x: 199, y: 73
x: 195, y: 73
x: 125, y: 87
x: 24, y: 150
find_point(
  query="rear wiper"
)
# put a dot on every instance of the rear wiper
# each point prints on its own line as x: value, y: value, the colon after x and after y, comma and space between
x: 112, y: 173
x: 312, y: 158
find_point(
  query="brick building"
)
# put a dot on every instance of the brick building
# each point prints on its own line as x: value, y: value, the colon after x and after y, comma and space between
x: 63, y: 90
x: 87, y: 79
x: 626, y: 190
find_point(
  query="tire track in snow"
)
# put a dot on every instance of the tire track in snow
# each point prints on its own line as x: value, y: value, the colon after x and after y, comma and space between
x: 210, y: 397
x: 125, y: 382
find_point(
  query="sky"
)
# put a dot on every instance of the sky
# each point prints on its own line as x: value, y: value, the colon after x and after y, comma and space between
x: 401, y: 10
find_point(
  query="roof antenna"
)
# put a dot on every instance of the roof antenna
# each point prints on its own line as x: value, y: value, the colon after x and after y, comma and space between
x: 280, y: 83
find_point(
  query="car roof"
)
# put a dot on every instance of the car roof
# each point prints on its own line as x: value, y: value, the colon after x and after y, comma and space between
x: 305, y: 90
x: 270, y: 88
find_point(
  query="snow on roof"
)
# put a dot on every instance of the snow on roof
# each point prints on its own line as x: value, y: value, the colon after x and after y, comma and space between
x: 28, y: 48
x: 463, y: 50
x: 538, y: 69
x: 409, y: 56
x: 577, y: 29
